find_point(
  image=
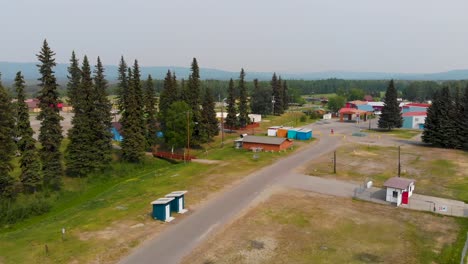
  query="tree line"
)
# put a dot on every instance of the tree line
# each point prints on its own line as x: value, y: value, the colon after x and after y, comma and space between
x: 185, y: 114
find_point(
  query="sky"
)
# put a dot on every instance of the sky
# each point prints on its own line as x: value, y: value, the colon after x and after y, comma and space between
x: 407, y: 36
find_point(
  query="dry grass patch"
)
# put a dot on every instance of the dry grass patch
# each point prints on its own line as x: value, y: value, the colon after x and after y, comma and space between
x: 438, y: 172
x: 300, y: 227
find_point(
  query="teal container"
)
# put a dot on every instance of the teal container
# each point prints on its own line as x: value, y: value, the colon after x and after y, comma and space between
x: 162, y: 210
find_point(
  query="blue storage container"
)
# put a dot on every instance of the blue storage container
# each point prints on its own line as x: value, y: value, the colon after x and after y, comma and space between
x: 292, y: 133
x: 304, y: 134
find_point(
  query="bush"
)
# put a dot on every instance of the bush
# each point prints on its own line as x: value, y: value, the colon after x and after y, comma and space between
x: 303, y: 118
x: 12, y: 211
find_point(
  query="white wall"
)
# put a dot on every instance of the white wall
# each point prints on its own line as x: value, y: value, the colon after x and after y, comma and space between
x: 418, y: 120
x: 390, y: 198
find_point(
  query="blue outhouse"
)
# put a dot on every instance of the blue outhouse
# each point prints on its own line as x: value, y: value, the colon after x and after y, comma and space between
x: 161, y: 209
x: 178, y: 204
x: 292, y: 133
x: 304, y: 134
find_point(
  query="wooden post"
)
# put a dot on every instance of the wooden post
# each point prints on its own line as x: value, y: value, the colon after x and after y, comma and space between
x: 399, y: 163
x: 334, y: 162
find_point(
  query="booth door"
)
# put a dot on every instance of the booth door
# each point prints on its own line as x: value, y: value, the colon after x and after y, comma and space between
x: 168, y: 212
x: 404, y: 198
x: 181, y: 206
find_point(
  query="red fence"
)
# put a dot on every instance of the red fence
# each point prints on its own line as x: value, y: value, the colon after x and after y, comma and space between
x: 247, y: 127
x: 170, y: 155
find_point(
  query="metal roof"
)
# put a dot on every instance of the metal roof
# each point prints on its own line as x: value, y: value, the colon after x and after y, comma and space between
x: 414, y: 114
x: 398, y: 183
x: 264, y: 140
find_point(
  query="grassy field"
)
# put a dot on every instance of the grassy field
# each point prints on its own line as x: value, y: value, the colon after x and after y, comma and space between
x: 400, y: 133
x: 106, y: 215
x: 438, y: 172
x: 300, y: 227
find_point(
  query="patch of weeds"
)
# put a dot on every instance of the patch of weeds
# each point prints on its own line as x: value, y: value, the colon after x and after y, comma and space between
x: 257, y: 244
x: 367, y: 258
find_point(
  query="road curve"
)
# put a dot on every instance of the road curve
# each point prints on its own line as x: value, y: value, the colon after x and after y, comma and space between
x: 178, y: 240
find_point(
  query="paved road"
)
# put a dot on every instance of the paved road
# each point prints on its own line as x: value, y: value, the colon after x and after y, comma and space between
x: 178, y: 240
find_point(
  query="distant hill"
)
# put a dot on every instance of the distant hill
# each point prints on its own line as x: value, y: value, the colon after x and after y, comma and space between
x: 9, y: 69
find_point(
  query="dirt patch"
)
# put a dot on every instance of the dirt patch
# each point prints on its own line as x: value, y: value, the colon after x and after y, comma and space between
x: 303, y: 227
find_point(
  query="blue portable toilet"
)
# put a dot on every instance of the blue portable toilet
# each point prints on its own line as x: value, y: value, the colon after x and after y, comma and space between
x: 161, y: 209
x: 292, y: 133
x: 178, y: 204
x: 304, y: 134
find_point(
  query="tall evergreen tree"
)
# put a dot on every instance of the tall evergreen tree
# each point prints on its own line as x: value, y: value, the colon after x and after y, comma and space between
x: 193, y: 95
x: 133, y: 136
x: 179, y: 124
x: 439, y: 129
x: 7, y: 144
x: 138, y: 90
x: 277, y: 95
x: 391, y: 113
x: 74, y: 79
x: 101, y: 117
x: 168, y: 96
x: 150, y: 112
x: 285, y: 95
x: 209, y: 115
x: 261, y: 99
x: 80, y: 154
x: 243, y: 106
x: 122, y: 86
x: 464, y: 120
x: 231, y: 118
x: 50, y: 135
x: 456, y: 116
x: 29, y: 162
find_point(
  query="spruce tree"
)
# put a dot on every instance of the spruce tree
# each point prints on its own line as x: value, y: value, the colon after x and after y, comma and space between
x: 243, y: 106
x: 7, y: 182
x: 261, y: 99
x: 209, y: 115
x: 74, y: 79
x: 29, y: 162
x: 193, y: 96
x: 80, y: 154
x: 231, y: 118
x: 438, y: 128
x: 133, y: 136
x: 464, y: 120
x: 150, y: 112
x: 277, y: 95
x: 168, y: 96
x: 122, y: 86
x: 391, y: 113
x: 50, y: 133
x: 285, y: 95
x: 101, y: 117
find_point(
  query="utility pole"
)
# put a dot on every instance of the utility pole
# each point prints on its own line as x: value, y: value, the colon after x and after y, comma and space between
x: 188, y: 135
x: 222, y: 121
x: 399, y: 163
x: 369, y: 122
x: 334, y: 162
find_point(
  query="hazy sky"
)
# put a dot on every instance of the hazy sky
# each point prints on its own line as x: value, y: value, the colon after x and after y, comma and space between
x: 259, y: 35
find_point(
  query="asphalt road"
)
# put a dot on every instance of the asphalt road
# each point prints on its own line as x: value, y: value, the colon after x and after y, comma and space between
x: 178, y: 240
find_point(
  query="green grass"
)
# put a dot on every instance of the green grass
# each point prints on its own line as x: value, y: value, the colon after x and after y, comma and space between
x: 90, y: 205
x: 400, y: 133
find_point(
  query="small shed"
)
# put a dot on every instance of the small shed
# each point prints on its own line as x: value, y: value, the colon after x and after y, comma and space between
x: 162, y: 210
x: 266, y: 143
x: 283, y: 132
x: 399, y: 190
x: 292, y: 133
x: 178, y: 204
x: 304, y: 134
x: 271, y: 132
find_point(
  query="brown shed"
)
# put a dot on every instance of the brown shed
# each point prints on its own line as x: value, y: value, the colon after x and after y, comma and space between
x: 266, y: 143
